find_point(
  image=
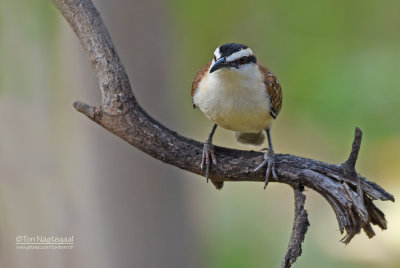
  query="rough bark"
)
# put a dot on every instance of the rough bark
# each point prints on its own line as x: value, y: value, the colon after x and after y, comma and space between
x: 300, y: 227
x: 350, y: 195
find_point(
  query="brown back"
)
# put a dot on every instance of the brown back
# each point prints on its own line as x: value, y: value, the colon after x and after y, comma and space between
x: 197, y: 79
x: 274, y: 90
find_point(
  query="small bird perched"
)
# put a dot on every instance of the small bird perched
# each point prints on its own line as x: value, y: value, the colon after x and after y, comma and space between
x: 237, y: 93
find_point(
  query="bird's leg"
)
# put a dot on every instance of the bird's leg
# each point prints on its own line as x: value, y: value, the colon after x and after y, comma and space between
x: 208, y: 153
x: 269, y: 161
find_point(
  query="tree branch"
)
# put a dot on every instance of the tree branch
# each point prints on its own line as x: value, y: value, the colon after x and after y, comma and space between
x: 350, y: 195
x: 300, y: 227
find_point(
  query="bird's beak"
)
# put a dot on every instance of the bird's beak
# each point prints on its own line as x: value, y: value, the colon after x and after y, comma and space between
x: 221, y: 63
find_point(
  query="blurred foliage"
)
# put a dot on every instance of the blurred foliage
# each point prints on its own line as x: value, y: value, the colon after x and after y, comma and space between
x: 28, y: 30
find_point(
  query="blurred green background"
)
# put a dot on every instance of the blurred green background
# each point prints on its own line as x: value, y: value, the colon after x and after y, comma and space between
x: 338, y: 64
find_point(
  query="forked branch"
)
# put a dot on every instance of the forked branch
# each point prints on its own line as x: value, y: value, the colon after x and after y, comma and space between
x: 350, y: 195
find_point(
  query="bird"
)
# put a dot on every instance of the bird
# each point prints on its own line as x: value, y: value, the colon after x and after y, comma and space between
x: 238, y: 93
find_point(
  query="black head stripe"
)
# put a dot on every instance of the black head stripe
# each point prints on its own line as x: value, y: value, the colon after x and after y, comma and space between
x: 245, y: 60
x: 230, y: 48
x: 252, y: 58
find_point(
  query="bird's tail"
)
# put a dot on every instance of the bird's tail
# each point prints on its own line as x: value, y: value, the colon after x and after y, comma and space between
x: 250, y: 138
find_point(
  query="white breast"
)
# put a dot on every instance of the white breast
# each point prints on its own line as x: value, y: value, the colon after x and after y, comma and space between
x: 235, y: 99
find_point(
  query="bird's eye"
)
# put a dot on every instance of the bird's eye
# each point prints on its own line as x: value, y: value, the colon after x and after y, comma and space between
x: 243, y: 60
x: 215, y: 58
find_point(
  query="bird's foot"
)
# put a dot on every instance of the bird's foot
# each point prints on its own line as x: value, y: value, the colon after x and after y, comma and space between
x: 208, y: 156
x: 269, y: 161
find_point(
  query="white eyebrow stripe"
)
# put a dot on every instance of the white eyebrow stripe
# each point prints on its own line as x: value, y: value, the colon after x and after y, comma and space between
x: 217, y: 54
x: 241, y: 53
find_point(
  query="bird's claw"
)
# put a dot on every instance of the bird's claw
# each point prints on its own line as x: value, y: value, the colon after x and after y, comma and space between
x: 208, y: 156
x: 269, y: 161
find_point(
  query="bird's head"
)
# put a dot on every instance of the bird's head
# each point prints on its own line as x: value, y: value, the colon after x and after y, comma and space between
x: 234, y: 57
